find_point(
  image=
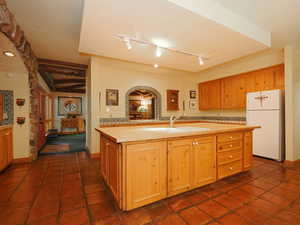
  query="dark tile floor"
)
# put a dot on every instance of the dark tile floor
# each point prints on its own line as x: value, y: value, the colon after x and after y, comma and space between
x: 68, y: 190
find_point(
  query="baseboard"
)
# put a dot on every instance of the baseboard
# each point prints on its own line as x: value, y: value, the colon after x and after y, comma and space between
x: 22, y: 160
x: 289, y: 163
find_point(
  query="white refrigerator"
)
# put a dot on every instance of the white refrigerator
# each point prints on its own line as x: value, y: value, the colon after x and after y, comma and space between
x: 266, y: 109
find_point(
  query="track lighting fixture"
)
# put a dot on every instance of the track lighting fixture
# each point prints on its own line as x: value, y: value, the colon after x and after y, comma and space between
x: 158, y: 48
x: 8, y: 54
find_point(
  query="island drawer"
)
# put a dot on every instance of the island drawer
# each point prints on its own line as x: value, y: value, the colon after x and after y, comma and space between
x: 230, y: 169
x: 229, y: 156
x: 227, y: 146
x: 229, y: 137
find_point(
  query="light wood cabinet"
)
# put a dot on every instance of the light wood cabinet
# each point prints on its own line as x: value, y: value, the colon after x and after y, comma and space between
x: 1, y: 106
x: 146, y: 168
x: 210, y: 95
x: 248, y: 150
x: 6, y: 148
x: 204, y: 161
x: 230, y: 92
x: 142, y: 172
x: 179, y: 166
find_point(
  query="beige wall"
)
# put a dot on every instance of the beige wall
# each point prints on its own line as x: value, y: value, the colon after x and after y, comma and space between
x: 114, y: 74
x: 249, y: 63
x: 18, y: 83
x: 292, y: 101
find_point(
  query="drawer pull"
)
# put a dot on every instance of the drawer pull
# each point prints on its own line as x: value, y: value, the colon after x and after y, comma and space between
x: 230, y: 137
x: 230, y: 157
x: 230, y: 146
x: 230, y: 168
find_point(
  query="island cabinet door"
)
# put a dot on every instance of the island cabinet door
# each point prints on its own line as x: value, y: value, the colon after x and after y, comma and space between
x: 146, y: 173
x: 179, y: 166
x: 248, y: 150
x: 104, y: 157
x: 204, y: 161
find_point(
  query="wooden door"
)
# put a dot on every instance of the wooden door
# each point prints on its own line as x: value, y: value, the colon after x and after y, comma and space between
x: 248, y: 155
x: 278, y: 73
x: 210, y: 95
x: 179, y: 166
x: 3, y: 149
x: 1, y: 107
x: 204, y: 161
x: 146, y: 173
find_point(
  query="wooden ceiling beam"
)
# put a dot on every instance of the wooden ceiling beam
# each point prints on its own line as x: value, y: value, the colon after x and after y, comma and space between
x: 73, y: 86
x: 62, y: 63
x: 70, y: 90
x: 65, y: 81
x: 65, y: 71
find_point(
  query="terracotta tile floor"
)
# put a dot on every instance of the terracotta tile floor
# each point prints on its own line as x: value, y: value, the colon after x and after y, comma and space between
x: 67, y: 189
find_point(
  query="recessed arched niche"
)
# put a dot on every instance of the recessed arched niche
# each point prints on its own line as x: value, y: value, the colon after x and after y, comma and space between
x: 143, y: 103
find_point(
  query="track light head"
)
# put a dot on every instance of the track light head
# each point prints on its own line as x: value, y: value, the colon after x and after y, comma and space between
x: 127, y: 43
x: 158, y: 52
x: 200, y: 59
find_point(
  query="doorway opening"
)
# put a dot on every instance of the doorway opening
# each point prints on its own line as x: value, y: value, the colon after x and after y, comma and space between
x: 142, y: 105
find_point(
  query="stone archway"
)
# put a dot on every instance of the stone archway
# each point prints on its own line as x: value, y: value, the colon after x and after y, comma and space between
x: 157, y: 105
x: 10, y: 28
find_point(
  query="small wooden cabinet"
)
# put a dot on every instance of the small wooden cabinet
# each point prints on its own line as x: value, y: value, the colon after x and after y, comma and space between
x: 210, y: 95
x: 142, y: 172
x: 230, y: 92
x: 172, y: 100
x: 6, y: 147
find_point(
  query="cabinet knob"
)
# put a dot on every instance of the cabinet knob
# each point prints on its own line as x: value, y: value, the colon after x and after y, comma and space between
x: 230, y: 146
x: 230, y: 157
x: 230, y: 168
x: 107, y: 144
x: 230, y: 137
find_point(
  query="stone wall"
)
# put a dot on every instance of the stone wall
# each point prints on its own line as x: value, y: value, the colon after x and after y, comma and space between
x: 10, y: 28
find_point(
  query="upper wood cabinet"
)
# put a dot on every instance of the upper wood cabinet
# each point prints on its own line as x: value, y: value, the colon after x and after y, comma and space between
x: 230, y: 92
x: 210, y: 95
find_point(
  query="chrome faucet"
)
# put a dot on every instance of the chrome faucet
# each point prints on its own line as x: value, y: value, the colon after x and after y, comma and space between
x: 172, y: 120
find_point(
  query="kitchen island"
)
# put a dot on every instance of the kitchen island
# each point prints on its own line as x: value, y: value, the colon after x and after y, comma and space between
x: 145, y: 164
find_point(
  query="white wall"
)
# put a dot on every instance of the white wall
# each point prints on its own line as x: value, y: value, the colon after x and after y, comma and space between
x: 18, y: 83
x: 292, y: 101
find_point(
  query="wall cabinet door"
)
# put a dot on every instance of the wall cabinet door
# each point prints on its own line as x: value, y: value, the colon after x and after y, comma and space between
x: 248, y: 150
x: 146, y: 169
x: 278, y: 73
x: 210, y: 95
x: 179, y: 166
x: 233, y: 92
x: 204, y: 161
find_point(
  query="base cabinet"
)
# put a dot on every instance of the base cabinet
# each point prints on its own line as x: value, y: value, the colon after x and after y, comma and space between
x: 146, y: 173
x: 6, y: 148
x: 140, y: 173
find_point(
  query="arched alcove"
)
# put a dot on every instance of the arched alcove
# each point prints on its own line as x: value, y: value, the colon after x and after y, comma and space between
x: 156, y: 101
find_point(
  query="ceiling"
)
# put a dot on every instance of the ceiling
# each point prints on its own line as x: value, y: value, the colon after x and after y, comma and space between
x: 200, y: 26
x: 281, y: 18
x: 177, y: 27
x: 10, y: 66
x: 63, y: 76
x: 52, y: 27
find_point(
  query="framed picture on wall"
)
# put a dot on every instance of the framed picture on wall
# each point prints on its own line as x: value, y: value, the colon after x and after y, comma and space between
x: 112, y: 97
x: 192, y: 94
x: 69, y: 105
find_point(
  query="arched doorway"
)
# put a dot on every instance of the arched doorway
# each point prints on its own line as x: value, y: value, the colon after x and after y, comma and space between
x: 143, y: 103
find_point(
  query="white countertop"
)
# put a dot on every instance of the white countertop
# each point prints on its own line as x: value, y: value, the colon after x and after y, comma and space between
x: 151, y: 132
